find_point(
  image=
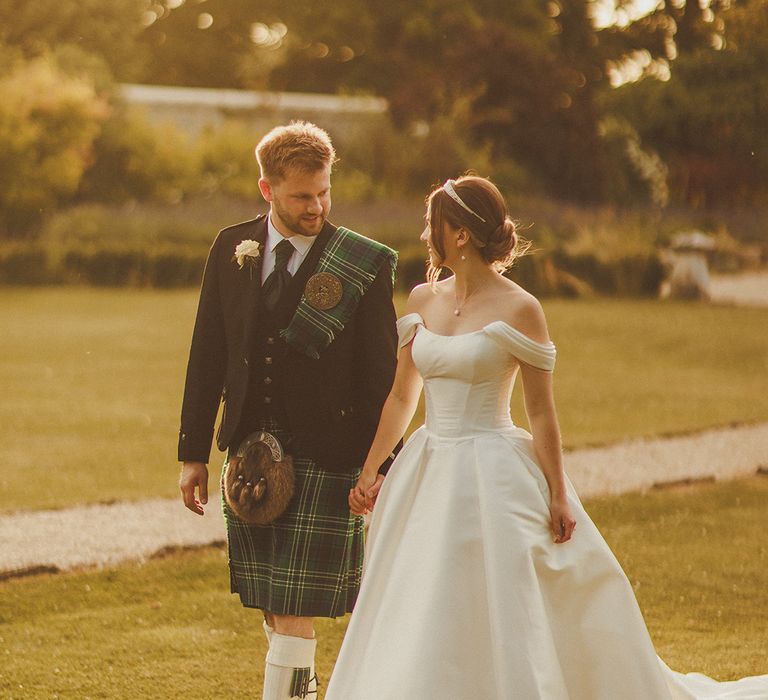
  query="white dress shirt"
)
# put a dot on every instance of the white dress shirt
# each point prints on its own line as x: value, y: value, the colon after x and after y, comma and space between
x: 302, y: 244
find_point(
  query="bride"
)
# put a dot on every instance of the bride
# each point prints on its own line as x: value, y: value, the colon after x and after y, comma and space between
x: 484, y: 577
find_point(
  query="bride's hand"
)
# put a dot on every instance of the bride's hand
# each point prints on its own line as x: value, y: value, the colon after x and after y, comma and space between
x: 360, y: 501
x: 563, y: 522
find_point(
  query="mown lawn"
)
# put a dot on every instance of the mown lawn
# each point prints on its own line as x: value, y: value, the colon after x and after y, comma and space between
x: 170, y: 629
x: 92, y: 381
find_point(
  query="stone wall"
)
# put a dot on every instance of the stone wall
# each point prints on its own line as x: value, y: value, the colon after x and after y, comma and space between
x: 195, y: 109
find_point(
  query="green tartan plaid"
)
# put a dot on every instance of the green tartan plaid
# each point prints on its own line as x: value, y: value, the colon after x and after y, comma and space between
x: 309, y: 561
x: 355, y: 260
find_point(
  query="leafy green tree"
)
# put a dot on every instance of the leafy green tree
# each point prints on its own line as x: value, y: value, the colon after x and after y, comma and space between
x: 133, y: 159
x: 104, y: 28
x: 48, y: 123
x: 708, y: 121
x: 215, y: 43
x: 512, y: 67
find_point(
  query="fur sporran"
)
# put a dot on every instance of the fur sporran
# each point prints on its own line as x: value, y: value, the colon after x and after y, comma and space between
x: 259, y: 480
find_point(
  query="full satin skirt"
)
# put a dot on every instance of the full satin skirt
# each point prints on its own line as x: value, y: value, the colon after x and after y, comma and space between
x: 466, y: 597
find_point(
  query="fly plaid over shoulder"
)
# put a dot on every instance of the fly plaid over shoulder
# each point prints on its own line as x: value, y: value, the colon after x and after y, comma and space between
x: 355, y: 261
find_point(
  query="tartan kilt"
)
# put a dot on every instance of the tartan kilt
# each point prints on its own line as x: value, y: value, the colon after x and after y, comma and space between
x: 309, y: 561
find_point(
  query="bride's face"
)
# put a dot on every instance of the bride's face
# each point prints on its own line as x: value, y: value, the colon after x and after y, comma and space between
x: 444, y: 250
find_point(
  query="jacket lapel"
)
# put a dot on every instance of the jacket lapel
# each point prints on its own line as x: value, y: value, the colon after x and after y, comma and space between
x: 253, y: 286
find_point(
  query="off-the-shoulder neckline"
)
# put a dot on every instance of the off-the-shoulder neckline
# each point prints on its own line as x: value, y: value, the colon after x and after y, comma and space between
x: 479, y: 330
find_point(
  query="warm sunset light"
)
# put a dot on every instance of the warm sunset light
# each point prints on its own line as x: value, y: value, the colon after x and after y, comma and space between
x: 383, y: 350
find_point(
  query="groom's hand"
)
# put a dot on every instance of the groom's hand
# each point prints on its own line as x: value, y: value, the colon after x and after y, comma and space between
x: 194, y: 475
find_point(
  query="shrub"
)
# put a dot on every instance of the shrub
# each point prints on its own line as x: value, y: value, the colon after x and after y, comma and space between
x: 411, y: 268
x: 48, y: 123
x: 557, y: 273
x: 26, y: 265
x: 134, y: 159
x: 227, y: 161
x: 106, y: 267
x: 386, y: 161
x: 176, y: 270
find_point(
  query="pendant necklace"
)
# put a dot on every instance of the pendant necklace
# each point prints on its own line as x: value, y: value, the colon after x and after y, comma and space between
x: 457, y: 308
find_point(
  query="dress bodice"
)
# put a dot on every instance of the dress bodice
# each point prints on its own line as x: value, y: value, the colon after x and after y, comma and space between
x: 468, y: 378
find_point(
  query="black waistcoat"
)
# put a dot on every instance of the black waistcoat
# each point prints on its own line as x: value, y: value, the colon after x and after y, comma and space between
x: 264, y: 398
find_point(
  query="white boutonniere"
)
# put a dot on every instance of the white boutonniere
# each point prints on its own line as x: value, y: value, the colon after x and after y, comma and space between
x: 247, y: 252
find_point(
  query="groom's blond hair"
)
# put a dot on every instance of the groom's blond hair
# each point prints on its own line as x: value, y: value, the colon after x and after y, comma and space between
x: 300, y: 146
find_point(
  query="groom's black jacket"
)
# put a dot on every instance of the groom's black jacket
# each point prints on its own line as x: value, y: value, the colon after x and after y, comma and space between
x: 332, y: 404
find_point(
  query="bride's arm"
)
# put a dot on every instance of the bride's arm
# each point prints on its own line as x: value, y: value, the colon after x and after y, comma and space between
x: 397, y: 413
x: 396, y: 416
x: 542, y: 418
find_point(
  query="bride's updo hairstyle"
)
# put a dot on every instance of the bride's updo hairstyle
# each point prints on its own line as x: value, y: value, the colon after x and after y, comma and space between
x: 476, y: 205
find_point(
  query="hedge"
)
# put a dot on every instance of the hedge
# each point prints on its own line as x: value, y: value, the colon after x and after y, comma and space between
x: 101, y: 267
x: 558, y: 273
x: 544, y: 273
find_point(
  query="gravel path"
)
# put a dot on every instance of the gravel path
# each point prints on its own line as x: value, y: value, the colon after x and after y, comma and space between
x: 103, y: 535
x: 638, y: 465
x: 746, y: 289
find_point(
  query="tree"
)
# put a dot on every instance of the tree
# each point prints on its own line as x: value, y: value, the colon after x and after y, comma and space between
x: 48, y: 122
x: 107, y: 29
x: 708, y: 120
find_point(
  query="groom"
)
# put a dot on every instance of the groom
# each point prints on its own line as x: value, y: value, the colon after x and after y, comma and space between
x: 295, y: 333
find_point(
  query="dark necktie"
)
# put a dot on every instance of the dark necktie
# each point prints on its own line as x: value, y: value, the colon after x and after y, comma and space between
x: 278, y: 279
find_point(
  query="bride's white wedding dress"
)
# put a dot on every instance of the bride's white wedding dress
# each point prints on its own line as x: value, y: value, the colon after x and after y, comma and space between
x: 465, y: 596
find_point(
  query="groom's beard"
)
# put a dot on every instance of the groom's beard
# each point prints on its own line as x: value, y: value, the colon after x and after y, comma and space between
x: 300, y: 224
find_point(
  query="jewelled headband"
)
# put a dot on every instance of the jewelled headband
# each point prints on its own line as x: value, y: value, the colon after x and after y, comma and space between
x: 451, y: 192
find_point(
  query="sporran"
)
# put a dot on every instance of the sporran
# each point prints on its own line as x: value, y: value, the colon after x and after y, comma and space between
x: 260, y: 479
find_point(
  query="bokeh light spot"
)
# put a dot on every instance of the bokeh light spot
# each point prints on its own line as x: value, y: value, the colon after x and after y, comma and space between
x: 346, y: 54
x: 319, y: 50
x: 148, y: 18
x: 260, y: 33
x: 268, y: 37
x: 553, y: 9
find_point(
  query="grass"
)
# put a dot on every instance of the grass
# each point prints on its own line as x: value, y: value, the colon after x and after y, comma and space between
x: 92, y: 382
x: 93, y: 379
x: 697, y: 562
x: 169, y: 628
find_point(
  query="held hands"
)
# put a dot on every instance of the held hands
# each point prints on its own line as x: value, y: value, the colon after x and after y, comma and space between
x: 194, y: 475
x: 563, y: 522
x: 363, y: 496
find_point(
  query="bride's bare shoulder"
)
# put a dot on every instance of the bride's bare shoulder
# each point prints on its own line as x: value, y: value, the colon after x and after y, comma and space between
x: 523, y: 311
x: 419, y: 298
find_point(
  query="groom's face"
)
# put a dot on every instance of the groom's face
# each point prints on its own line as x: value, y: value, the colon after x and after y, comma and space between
x: 300, y: 201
